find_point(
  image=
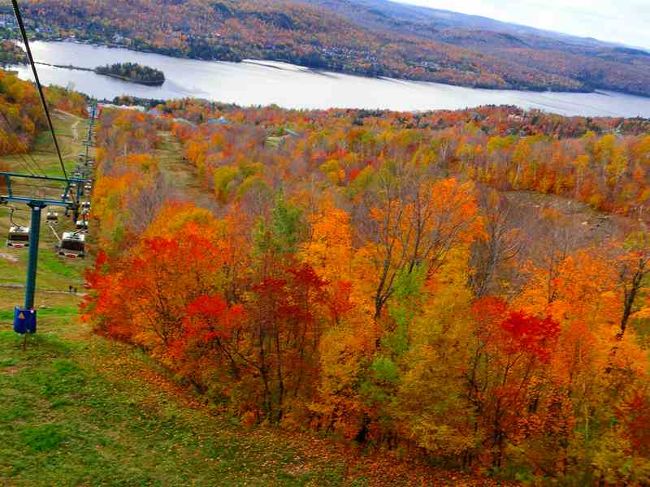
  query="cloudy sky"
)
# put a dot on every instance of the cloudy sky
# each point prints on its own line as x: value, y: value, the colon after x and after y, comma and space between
x: 623, y: 21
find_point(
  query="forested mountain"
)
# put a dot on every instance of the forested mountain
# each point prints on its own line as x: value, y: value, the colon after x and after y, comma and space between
x: 368, y: 37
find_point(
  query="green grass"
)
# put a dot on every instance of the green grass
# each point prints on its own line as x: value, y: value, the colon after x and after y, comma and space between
x: 78, y: 410
x: 7, y: 315
x: 54, y: 274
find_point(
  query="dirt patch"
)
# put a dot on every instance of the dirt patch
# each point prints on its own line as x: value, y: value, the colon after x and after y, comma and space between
x: 9, y: 257
x: 588, y: 226
x: 12, y: 370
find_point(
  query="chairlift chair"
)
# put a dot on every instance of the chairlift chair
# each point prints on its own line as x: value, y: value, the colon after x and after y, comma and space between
x: 73, y: 245
x: 18, y: 237
x: 82, y: 224
x: 52, y: 217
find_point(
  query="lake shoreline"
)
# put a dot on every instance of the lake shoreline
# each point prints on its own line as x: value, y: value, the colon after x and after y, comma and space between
x: 164, y: 52
x: 264, y: 83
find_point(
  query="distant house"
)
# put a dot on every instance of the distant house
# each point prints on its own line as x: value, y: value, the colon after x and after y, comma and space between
x: 7, y: 20
x: 218, y: 121
x: 155, y: 112
x: 184, y: 121
x: 274, y: 142
x: 136, y: 108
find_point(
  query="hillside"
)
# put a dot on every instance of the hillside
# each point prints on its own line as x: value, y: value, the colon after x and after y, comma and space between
x: 335, y: 297
x: 80, y: 409
x: 367, y: 37
x: 418, y: 284
x: 21, y: 116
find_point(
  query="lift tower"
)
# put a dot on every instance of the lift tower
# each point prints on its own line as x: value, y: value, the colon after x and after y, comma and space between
x: 25, y: 316
x: 10, y: 185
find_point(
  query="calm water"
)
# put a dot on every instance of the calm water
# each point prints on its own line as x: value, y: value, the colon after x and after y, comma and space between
x: 264, y: 83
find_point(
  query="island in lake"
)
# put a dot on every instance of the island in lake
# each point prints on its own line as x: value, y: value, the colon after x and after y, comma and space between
x: 133, y: 72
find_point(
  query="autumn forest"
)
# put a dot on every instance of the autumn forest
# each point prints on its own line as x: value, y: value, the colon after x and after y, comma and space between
x: 469, y: 287
x: 416, y: 298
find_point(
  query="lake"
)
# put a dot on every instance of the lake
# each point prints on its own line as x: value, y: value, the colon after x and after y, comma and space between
x: 266, y: 82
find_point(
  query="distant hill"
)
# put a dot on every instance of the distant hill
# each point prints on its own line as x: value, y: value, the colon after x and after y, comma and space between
x: 594, y: 64
x: 367, y: 37
x: 426, y: 22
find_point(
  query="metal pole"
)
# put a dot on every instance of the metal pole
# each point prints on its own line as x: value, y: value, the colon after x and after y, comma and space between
x: 34, y: 237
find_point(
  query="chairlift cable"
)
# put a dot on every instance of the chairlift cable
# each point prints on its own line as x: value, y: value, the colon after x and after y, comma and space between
x: 54, y: 232
x: 35, y: 162
x: 11, y: 217
x: 26, y: 163
x: 37, y: 80
x: 26, y: 166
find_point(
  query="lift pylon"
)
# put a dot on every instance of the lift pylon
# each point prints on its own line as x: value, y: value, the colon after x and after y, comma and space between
x: 25, y: 316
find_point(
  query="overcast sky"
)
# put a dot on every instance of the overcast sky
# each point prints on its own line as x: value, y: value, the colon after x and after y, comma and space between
x: 623, y: 21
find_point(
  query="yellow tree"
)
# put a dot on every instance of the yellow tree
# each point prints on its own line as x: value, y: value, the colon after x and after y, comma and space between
x: 349, y: 333
x: 415, y: 224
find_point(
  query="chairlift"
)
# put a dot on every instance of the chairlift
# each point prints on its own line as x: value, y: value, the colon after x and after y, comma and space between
x: 18, y: 237
x: 52, y: 217
x: 85, y: 205
x: 82, y: 224
x: 73, y: 245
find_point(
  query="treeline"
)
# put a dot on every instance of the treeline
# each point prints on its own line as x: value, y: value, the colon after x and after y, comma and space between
x: 321, y: 38
x: 133, y: 72
x: 21, y: 113
x: 352, y: 279
x: 602, y: 162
